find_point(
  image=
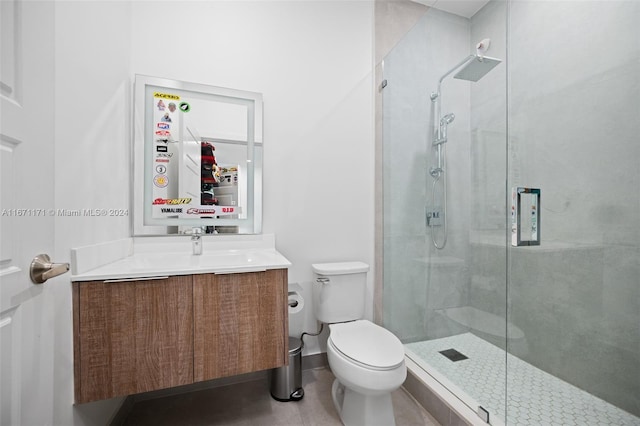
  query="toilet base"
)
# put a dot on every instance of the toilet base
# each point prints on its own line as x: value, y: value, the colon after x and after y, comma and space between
x: 356, y: 409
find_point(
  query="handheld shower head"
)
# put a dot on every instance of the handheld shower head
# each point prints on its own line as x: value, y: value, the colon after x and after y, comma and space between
x: 447, y: 119
x: 441, y: 135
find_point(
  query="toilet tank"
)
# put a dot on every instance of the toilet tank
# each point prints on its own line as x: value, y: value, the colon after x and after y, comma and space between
x: 339, y: 291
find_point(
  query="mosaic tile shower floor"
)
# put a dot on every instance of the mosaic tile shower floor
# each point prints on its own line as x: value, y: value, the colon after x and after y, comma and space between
x: 534, y: 398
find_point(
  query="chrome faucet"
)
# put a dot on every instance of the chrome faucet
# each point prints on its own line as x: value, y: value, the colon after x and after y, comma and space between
x: 196, y: 240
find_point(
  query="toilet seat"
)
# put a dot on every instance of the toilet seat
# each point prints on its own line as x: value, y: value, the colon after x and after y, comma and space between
x: 367, y: 344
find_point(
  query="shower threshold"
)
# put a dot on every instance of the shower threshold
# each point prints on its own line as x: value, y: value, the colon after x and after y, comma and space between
x: 534, y: 396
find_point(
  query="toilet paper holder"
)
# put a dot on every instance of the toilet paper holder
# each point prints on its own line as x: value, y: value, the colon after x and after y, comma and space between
x: 295, y: 299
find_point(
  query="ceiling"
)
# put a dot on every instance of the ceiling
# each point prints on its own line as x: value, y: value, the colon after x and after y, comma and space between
x: 465, y: 8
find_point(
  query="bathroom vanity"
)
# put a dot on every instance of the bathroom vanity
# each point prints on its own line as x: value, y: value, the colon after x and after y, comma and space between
x: 163, y: 317
x: 171, y: 306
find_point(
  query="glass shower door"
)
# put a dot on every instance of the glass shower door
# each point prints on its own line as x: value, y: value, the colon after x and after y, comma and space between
x: 448, y: 305
x: 574, y: 300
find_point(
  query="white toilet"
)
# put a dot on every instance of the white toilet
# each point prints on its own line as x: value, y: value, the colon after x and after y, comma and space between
x: 367, y: 360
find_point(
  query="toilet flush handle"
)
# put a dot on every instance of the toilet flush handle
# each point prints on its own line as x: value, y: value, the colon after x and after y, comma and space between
x: 322, y: 280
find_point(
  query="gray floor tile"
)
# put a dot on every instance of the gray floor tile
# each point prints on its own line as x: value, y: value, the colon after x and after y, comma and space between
x: 316, y: 408
x: 250, y: 404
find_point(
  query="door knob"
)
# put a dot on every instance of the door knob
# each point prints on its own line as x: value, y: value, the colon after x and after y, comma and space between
x: 42, y: 269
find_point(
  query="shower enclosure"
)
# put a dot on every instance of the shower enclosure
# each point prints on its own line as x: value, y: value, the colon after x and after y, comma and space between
x: 544, y: 334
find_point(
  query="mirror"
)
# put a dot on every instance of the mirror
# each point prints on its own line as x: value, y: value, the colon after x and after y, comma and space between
x: 197, y: 158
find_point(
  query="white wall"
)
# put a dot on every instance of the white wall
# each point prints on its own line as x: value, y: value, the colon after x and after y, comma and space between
x: 313, y: 63
x: 92, y: 108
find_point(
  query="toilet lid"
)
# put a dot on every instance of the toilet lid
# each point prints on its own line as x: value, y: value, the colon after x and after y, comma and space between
x: 367, y: 343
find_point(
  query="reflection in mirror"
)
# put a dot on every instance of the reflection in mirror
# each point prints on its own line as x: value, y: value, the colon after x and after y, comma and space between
x: 197, y: 158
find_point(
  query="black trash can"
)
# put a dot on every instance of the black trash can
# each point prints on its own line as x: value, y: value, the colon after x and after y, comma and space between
x: 286, y: 381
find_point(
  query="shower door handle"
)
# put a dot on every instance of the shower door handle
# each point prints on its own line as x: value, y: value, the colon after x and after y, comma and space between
x: 525, y: 221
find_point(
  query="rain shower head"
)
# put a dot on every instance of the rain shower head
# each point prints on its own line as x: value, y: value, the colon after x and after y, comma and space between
x: 476, y: 68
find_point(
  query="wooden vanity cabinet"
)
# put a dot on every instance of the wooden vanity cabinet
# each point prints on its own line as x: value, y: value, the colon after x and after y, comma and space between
x: 240, y: 323
x: 132, y: 336
x: 143, y: 335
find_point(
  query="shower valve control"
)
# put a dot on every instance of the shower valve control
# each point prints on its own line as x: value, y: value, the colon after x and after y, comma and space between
x: 434, y: 217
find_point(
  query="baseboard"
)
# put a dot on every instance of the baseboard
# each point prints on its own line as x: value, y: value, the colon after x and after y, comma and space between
x: 310, y: 362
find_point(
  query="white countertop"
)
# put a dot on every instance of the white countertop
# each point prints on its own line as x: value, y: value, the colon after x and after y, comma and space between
x: 166, y: 256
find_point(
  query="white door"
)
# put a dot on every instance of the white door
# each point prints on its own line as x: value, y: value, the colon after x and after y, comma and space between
x: 26, y: 202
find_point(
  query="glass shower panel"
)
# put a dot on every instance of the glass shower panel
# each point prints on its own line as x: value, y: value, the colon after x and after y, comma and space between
x: 574, y: 301
x: 448, y: 305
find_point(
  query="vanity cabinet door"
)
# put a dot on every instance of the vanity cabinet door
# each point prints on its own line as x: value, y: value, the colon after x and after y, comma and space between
x: 132, y: 337
x: 240, y: 323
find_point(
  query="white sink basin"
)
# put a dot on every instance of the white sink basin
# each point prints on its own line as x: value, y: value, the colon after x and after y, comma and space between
x: 157, y: 259
x: 218, y: 261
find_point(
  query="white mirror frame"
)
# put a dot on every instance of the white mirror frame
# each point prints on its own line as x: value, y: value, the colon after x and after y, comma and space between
x: 142, y: 152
